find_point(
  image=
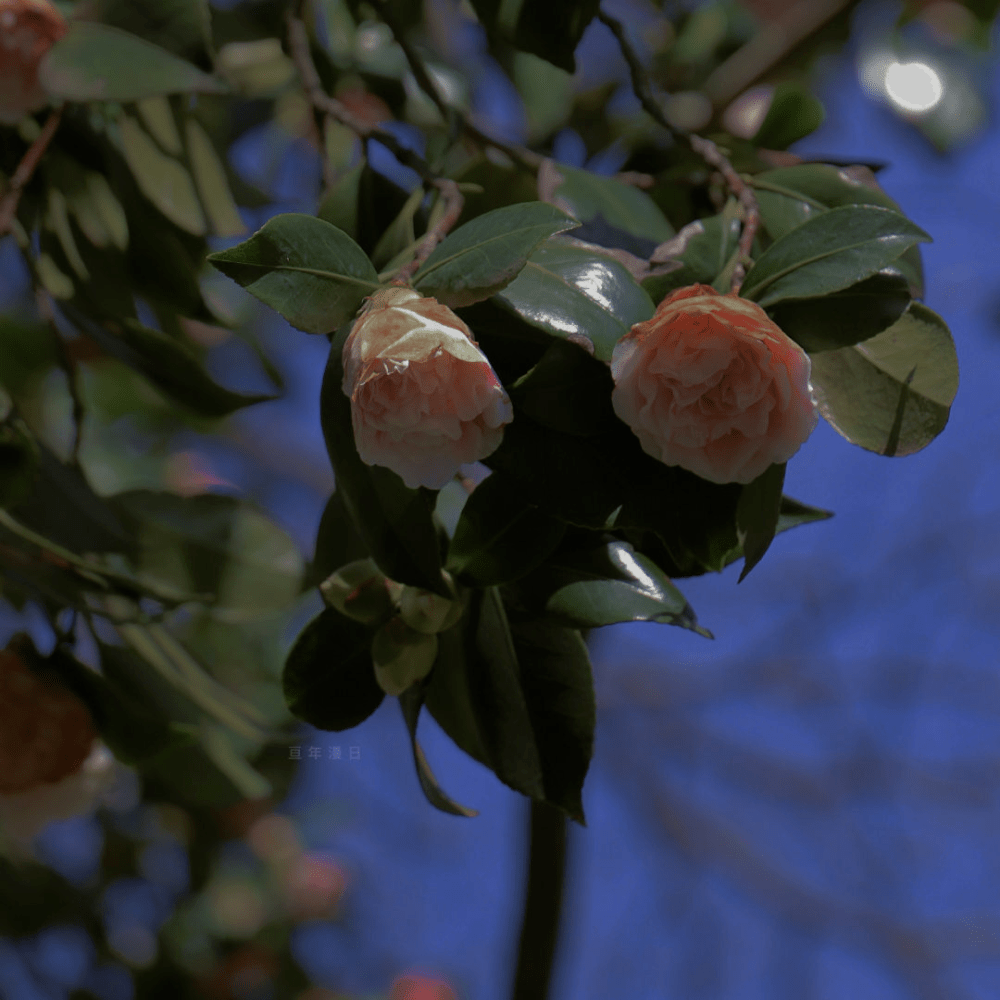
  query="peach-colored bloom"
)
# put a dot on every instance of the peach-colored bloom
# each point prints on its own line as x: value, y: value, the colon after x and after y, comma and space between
x: 28, y: 28
x: 424, y: 398
x: 712, y: 385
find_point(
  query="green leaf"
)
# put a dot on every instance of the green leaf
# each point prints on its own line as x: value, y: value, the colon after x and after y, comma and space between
x: 482, y: 257
x: 213, y: 186
x: 832, y: 251
x: 500, y: 536
x: 794, y: 113
x: 757, y: 515
x: 846, y: 317
x: 312, y: 273
x: 891, y: 394
x: 214, y: 545
x: 399, y: 236
x: 568, y: 390
x: 518, y: 697
x: 329, y: 679
x: 588, y: 196
x: 337, y: 542
x: 161, y: 178
x: 411, y: 701
x: 569, y: 292
x: 790, y: 195
x: 182, y: 26
x: 95, y: 62
x: 604, y: 582
x: 394, y: 523
x: 171, y: 366
x: 340, y: 204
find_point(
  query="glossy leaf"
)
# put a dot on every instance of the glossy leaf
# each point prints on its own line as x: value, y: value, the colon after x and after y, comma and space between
x: 394, y: 523
x: 411, y: 701
x: 606, y: 583
x: 846, y: 317
x: 569, y: 292
x: 482, y: 257
x: 891, y: 394
x: 757, y: 515
x: 499, y: 535
x: 790, y: 195
x: 834, y: 250
x: 588, y: 196
x: 96, y: 62
x: 312, y: 273
x: 329, y: 679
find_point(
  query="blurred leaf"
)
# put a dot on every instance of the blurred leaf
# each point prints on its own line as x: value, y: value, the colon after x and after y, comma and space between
x: 182, y: 26
x: 605, y: 582
x: 158, y: 119
x: 400, y: 234
x: 171, y: 366
x: 329, y: 679
x: 340, y: 205
x: 394, y: 522
x: 499, y: 535
x: 213, y: 187
x: 571, y: 293
x: 757, y: 515
x: 550, y: 30
x: 547, y: 92
x: 846, y: 317
x: 829, y: 252
x: 312, y: 273
x: 18, y: 463
x: 161, y: 178
x: 568, y: 390
x: 95, y: 62
x: 485, y: 255
x: 891, y: 394
x: 794, y: 113
x: 214, y: 545
x: 588, y: 196
x: 502, y: 186
x: 411, y: 701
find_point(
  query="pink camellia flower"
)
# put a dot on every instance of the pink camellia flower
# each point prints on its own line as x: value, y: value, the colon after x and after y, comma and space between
x: 28, y: 28
x: 424, y: 398
x: 712, y: 385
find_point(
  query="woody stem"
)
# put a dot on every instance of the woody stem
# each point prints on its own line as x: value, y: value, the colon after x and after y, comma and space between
x: 25, y: 171
x: 705, y: 148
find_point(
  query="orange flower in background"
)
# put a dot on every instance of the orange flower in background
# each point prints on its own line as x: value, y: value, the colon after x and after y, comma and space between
x: 28, y: 29
x: 46, y: 732
x: 424, y: 398
x: 711, y: 384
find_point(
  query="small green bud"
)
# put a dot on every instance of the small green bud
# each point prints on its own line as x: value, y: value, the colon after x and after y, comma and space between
x: 402, y: 655
x: 361, y: 591
x: 428, y: 612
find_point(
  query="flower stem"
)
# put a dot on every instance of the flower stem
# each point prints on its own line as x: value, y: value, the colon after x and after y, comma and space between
x: 542, y: 902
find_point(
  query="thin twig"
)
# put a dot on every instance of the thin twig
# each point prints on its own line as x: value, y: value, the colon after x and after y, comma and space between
x: 528, y: 158
x: 25, y: 171
x: 705, y: 148
x: 454, y: 202
x: 68, y: 367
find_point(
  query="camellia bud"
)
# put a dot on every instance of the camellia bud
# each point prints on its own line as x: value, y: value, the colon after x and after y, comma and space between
x: 28, y: 29
x: 402, y: 655
x: 428, y: 612
x: 424, y: 398
x: 362, y: 591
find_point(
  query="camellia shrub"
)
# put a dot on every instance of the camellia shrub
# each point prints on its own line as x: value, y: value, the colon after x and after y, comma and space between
x: 632, y: 357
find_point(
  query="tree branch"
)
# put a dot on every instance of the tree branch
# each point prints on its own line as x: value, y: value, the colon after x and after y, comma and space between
x: 25, y: 171
x: 705, y: 148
